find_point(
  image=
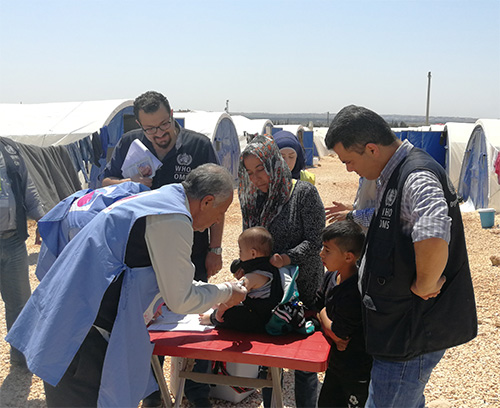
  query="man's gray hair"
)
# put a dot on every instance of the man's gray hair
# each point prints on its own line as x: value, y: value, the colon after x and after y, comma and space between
x: 209, y: 179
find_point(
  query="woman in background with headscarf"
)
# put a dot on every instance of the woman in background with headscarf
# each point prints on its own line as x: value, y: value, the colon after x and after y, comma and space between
x: 294, y: 214
x: 293, y: 153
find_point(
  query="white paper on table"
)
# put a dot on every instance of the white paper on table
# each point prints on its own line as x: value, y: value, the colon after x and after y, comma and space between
x: 140, y: 160
x: 170, y: 321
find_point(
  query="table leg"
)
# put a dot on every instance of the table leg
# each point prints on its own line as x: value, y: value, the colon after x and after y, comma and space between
x: 160, y: 378
x: 187, y: 364
x: 277, y: 398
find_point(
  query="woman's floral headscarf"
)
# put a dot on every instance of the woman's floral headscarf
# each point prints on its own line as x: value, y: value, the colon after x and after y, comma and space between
x: 258, y: 208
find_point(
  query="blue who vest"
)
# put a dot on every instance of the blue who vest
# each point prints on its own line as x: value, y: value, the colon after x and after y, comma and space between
x: 61, y: 311
x: 64, y: 221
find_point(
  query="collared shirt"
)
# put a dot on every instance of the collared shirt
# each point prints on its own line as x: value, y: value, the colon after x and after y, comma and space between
x: 363, y: 217
x: 364, y: 203
x: 191, y: 150
x: 424, y: 211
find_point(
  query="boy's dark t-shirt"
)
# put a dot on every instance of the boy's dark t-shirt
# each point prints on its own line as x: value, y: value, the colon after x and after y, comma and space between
x: 343, y: 307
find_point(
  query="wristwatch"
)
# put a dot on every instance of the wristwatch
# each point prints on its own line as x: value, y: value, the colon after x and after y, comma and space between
x: 349, y: 216
x: 216, y: 251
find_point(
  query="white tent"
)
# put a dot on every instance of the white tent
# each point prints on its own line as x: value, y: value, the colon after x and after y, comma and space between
x: 457, y: 136
x: 297, y: 130
x: 220, y: 129
x: 319, y: 141
x: 46, y: 124
x: 479, y: 183
x: 248, y: 126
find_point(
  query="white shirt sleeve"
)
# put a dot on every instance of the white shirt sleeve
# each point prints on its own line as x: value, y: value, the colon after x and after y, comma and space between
x: 169, y: 238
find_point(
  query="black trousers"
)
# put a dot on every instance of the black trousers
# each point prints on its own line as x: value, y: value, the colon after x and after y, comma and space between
x: 79, y: 386
x: 341, y: 390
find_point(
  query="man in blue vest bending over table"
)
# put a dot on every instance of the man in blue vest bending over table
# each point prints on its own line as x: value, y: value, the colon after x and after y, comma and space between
x: 84, y: 331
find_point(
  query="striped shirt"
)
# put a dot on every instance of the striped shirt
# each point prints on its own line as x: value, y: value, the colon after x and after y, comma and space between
x: 424, y: 211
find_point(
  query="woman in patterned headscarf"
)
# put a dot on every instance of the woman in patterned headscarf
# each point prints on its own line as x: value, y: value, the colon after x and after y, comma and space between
x: 293, y: 213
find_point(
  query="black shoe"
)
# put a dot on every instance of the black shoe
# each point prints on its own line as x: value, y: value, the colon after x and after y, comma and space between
x: 152, y: 400
x: 202, y: 403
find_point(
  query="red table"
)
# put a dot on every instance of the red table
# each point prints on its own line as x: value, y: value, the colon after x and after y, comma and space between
x: 292, y: 351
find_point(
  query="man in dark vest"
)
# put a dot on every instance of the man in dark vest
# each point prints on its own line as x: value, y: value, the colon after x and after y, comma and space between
x: 18, y: 200
x: 414, y: 276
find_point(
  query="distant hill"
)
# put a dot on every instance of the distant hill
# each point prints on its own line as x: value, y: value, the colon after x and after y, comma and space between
x: 321, y: 119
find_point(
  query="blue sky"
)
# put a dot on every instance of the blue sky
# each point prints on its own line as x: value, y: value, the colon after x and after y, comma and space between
x: 263, y: 56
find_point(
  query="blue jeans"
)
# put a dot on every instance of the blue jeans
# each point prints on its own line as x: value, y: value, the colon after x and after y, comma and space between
x: 401, y: 383
x: 14, y: 282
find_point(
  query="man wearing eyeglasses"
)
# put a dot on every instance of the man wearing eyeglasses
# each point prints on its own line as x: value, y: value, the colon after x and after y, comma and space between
x: 180, y: 151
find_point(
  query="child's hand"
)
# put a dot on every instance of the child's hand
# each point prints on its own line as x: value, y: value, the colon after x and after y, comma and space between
x: 326, y: 325
x: 340, y: 343
x: 205, y: 319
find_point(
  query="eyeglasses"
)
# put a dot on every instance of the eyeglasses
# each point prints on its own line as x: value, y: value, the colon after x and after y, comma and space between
x: 153, y: 129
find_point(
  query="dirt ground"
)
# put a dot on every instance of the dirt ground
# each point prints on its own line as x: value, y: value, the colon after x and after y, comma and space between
x: 467, y: 376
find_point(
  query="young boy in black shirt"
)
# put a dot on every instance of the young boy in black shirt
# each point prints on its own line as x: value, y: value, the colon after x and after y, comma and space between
x: 348, y: 374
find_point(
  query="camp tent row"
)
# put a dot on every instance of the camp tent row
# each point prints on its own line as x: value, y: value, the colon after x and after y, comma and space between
x: 467, y: 151
x: 57, y: 124
x: 47, y: 124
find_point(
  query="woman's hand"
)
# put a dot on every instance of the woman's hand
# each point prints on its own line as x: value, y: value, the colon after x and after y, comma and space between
x: 279, y: 261
x: 239, y: 274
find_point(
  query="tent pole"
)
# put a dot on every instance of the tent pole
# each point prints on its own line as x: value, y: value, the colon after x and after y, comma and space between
x: 428, y: 98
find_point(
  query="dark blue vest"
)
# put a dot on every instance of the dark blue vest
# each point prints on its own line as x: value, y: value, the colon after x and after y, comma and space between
x: 398, y: 324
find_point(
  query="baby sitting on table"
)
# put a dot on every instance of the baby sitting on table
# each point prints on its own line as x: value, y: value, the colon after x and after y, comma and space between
x: 261, y: 279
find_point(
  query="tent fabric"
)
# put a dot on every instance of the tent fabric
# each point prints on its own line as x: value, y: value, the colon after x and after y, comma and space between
x: 319, y: 141
x: 428, y: 138
x: 297, y: 130
x: 47, y: 124
x: 220, y: 129
x: 52, y: 172
x: 457, y: 136
x: 69, y: 123
x: 319, y: 133
x: 248, y: 126
x: 478, y: 182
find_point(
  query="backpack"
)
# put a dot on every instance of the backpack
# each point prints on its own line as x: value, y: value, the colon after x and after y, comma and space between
x: 289, y: 315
